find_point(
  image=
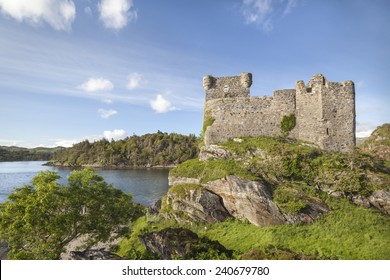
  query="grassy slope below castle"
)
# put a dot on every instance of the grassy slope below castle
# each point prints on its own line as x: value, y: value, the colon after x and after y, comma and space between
x: 292, y: 168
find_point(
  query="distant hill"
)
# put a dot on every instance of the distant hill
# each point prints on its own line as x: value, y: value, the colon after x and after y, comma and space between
x: 149, y: 150
x: 14, y: 153
x: 378, y: 144
x: 360, y: 140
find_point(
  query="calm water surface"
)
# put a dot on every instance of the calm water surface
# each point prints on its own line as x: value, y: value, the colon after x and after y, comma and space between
x: 146, y: 186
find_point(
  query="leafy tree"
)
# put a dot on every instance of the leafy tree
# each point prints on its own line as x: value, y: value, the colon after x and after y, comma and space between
x: 38, y: 221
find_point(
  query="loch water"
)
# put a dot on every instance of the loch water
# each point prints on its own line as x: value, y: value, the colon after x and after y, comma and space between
x: 145, y: 185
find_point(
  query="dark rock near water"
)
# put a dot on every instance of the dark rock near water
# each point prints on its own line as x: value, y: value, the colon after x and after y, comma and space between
x: 155, y: 208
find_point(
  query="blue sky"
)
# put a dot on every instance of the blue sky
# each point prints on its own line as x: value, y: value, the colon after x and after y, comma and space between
x: 74, y: 70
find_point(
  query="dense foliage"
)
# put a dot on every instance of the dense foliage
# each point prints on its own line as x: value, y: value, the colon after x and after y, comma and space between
x: 38, y: 221
x: 157, y: 149
x: 25, y: 154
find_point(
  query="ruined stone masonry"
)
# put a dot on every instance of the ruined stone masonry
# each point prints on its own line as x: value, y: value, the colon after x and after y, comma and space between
x: 324, y: 111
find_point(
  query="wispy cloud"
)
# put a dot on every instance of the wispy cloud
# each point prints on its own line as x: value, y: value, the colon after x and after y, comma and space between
x: 161, y: 105
x: 114, y: 134
x: 135, y: 81
x: 96, y: 84
x: 264, y: 12
x: 364, y: 129
x: 105, y: 114
x: 10, y: 142
x: 115, y: 14
x: 108, y: 134
x: 59, y: 14
x: 291, y: 4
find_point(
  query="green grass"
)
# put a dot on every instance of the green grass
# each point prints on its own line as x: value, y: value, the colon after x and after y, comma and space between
x: 211, y: 170
x: 348, y: 232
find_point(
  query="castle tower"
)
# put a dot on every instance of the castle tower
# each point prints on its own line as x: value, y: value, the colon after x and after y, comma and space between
x: 325, y: 113
x: 227, y: 87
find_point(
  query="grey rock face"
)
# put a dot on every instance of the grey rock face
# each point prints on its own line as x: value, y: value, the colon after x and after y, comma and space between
x: 173, y: 243
x: 199, y: 206
x: 155, y: 208
x: 180, y: 180
x: 92, y: 254
x: 245, y: 199
x: 381, y: 200
x: 314, y: 209
x: 213, y: 152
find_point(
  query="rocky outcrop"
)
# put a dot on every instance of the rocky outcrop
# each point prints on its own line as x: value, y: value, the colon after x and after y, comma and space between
x: 3, y: 250
x: 213, y: 152
x: 181, y: 180
x: 381, y: 200
x: 198, y: 205
x: 246, y: 199
x: 154, y: 208
x: 93, y: 254
x: 180, y: 243
x: 315, y: 208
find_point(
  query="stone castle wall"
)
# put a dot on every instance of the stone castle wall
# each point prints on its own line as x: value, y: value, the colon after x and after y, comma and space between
x: 324, y: 111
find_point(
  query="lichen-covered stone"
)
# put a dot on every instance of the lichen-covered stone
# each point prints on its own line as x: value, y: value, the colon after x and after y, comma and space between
x: 244, y: 199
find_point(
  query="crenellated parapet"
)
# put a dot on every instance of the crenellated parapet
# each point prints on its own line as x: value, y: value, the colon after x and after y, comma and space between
x: 227, y: 87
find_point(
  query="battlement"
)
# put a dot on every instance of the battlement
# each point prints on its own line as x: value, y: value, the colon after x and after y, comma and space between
x: 324, y: 111
x: 227, y: 87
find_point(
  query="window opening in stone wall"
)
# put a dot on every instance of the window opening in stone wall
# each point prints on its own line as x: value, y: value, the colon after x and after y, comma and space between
x: 327, y: 131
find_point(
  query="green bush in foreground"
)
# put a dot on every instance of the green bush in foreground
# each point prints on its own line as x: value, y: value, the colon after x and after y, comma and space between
x: 38, y: 221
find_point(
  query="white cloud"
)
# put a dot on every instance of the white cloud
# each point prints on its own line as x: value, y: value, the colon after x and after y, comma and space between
x: 362, y: 134
x: 96, y: 84
x: 291, y: 4
x: 7, y: 142
x: 60, y: 14
x: 115, y: 134
x: 161, y: 105
x: 364, y: 129
x: 135, y: 81
x: 263, y: 12
x: 360, y: 84
x: 88, y: 11
x: 107, y: 101
x: 115, y: 14
x: 65, y: 142
x: 105, y: 114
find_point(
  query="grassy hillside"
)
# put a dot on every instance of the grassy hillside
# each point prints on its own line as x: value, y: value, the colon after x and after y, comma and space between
x: 378, y: 144
x: 294, y: 170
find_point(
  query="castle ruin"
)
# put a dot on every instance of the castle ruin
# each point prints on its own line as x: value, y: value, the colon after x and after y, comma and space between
x: 324, y: 111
